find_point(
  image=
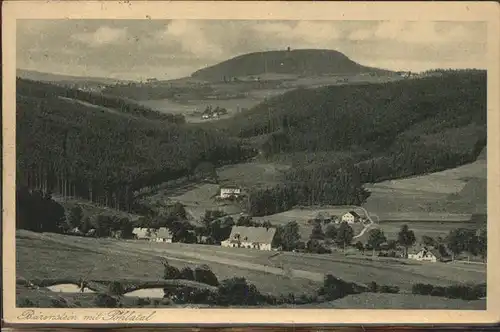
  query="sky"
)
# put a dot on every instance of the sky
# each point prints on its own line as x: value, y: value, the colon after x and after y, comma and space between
x: 168, y: 49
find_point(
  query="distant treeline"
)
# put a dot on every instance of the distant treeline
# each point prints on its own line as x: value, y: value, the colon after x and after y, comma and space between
x: 46, y: 90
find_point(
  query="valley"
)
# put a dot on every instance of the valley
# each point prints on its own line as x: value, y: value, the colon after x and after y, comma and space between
x: 300, y: 146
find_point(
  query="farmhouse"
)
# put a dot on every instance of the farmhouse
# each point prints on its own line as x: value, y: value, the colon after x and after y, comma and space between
x: 350, y: 217
x: 250, y: 237
x: 161, y: 234
x: 427, y: 255
x: 228, y: 191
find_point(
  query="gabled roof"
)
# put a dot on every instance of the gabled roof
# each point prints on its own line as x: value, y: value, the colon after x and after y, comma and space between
x: 140, y: 232
x: 433, y: 251
x: 164, y: 233
x: 354, y: 213
x: 161, y: 232
x: 252, y: 234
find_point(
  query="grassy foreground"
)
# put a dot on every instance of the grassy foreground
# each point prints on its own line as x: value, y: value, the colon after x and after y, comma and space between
x: 59, y: 256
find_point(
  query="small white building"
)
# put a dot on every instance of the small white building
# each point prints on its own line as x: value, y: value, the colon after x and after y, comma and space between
x: 163, y: 234
x: 227, y: 192
x: 350, y: 217
x: 250, y: 237
x: 426, y: 255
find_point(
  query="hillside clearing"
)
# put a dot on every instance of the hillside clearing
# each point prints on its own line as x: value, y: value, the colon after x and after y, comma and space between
x: 452, y: 194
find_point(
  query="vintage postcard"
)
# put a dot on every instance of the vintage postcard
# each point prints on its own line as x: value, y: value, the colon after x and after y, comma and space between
x: 250, y: 162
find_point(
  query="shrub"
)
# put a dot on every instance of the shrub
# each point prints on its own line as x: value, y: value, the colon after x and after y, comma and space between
x: 58, y: 303
x: 166, y: 302
x: 236, y: 291
x: 463, y: 292
x: 480, y: 290
x: 422, y: 289
x: 26, y: 303
x: 359, y: 245
x: 116, y: 288
x: 204, y: 275
x: 373, y: 287
x: 105, y: 301
x: 171, y: 272
x: 438, y: 291
x: 187, y: 273
x: 389, y: 289
x: 141, y: 302
x: 334, y: 288
x: 192, y: 295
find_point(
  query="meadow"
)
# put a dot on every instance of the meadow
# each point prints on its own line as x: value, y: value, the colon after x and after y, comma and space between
x: 60, y: 256
x: 450, y: 195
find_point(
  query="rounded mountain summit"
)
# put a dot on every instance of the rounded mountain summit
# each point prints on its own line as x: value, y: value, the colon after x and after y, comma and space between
x: 300, y: 62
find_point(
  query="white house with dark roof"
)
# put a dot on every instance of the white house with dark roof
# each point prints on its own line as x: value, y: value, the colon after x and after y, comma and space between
x: 161, y: 234
x: 350, y: 217
x: 250, y: 237
x: 425, y: 254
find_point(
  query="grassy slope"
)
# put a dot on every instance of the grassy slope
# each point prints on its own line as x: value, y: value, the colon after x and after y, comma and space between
x: 440, y: 195
x: 37, y: 255
x: 400, y: 301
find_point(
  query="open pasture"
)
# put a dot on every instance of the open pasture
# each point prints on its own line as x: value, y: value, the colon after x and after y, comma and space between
x: 252, y: 174
x: 192, y: 109
x: 453, y: 193
x: 37, y: 255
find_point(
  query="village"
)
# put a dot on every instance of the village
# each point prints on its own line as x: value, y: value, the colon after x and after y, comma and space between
x: 363, y: 235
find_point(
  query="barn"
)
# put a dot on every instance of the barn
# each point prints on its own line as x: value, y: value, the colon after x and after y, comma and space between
x: 250, y: 237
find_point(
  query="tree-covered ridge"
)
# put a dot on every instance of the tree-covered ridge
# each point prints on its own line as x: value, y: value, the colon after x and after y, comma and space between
x: 45, y: 90
x: 70, y: 149
x: 368, y: 115
x: 381, y: 132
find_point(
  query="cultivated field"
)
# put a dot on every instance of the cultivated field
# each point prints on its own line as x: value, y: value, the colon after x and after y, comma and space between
x: 58, y: 256
x: 449, y: 195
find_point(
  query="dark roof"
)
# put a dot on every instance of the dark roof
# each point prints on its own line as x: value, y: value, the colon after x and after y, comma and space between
x: 354, y: 213
x: 253, y: 234
x: 143, y: 233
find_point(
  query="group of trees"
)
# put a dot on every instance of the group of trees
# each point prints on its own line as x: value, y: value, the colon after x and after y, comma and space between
x: 330, y: 184
x: 468, y: 240
x: 73, y: 150
x: 37, y: 211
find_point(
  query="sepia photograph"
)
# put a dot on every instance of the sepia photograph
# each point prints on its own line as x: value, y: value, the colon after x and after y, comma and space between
x: 272, y: 163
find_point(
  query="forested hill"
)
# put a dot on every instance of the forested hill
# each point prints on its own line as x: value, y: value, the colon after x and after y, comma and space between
x: 72, y: 149
x: 296, y: 62
x: 114, y: 104
x: 438, y: 117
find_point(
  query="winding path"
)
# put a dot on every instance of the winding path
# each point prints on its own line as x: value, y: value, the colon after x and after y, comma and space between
x: 367, y: 227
